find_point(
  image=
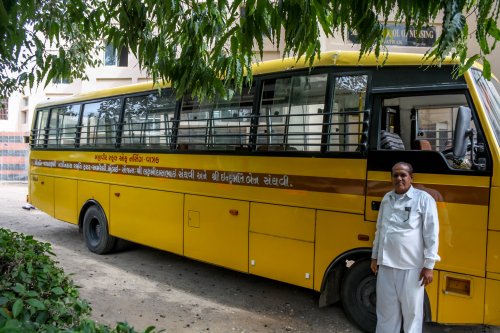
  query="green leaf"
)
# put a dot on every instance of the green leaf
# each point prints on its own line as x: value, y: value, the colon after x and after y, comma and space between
x: 12, y: 326
x: 494, y: 31
x: 3, y: 15
x: 17, y: 308
x: 149, y: 329
x: 36, y: 304
x: 486, y: 69
x: 31, y: 80
x: 58, y: 291
x: 42, y: 317
x: 19, y: 288
x: 468, y: 64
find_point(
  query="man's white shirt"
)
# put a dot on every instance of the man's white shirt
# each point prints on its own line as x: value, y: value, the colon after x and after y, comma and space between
x: 407, y: 231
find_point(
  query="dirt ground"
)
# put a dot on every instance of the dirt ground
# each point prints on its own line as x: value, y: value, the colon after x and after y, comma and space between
x: 144, y: 287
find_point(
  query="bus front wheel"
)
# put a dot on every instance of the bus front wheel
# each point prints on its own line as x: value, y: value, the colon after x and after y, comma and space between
x: 358, y: 295
x: 96, y: 232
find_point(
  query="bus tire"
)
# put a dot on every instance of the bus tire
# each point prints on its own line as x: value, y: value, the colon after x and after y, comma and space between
x: 96, y: 232
x: 358, y: 295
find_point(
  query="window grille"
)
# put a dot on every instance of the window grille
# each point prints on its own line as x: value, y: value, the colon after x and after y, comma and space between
x: 100, y: 123
x: 63, y: 126
x: 4, y: 112
x: 149, y: 120
x: 220, y: 125
x: 293, y: 116
x: 39, y: 132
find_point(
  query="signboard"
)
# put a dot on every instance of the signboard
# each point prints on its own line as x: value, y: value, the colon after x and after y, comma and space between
x: 396, y: 34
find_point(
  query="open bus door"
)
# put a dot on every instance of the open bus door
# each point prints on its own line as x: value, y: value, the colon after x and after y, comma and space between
x: 442, y: 139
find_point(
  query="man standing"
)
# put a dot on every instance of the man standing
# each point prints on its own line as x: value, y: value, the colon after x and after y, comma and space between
x: 404, y: 252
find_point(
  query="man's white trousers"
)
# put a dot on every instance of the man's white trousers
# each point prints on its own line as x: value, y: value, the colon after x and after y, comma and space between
x: 399, y: 296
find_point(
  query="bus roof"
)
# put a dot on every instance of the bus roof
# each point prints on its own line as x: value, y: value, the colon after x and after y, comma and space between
x: 331, y: 58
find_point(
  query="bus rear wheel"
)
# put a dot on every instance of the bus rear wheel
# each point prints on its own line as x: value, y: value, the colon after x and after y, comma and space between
x: 96, y: 232
x: 358, y: 294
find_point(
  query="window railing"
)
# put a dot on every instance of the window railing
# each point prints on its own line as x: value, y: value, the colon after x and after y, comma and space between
x: 344, y: 131
x: 291, y: 116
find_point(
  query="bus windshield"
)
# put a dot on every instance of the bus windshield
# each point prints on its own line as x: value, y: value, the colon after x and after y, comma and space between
x: 489, y: 92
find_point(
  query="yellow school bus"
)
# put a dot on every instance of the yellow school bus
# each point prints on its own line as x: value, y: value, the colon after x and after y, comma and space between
x: 284, y: 179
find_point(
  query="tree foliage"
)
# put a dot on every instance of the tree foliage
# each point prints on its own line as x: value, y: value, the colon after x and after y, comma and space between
x: 202, y: 47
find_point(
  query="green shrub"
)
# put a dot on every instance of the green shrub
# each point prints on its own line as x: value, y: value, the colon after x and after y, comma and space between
x: 36, y: 295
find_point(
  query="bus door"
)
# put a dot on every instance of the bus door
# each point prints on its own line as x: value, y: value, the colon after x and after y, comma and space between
x: 438, y: 133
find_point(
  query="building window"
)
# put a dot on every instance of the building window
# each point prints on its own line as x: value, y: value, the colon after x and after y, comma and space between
x: 62, y: 80
x: 114, y: 58
x: 26, y: 101
x: 4, y: 113
x: 24, y: 117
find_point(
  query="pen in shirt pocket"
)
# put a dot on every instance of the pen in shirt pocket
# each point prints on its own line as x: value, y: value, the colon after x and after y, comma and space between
x: 408, y: 209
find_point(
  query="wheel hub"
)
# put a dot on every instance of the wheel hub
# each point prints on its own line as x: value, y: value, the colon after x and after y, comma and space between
x: 95, y: 231
x: 366, y: 294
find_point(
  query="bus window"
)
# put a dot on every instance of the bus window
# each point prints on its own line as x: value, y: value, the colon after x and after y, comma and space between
x: 63, y: 126
x: 217, y: 125
x: 148, y: 120
x: 230, y: 125
x: 435, y: 128
x: 52, y: 127
x: 489, y: 92
x: 39, y: 129
x: 99, y: 123
x: 347, y: 117
x: 193, y: 125
x: 291, y: 113
x: 425, y: 123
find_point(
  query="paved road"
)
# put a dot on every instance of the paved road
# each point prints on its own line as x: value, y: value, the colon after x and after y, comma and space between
x: 146, y: 287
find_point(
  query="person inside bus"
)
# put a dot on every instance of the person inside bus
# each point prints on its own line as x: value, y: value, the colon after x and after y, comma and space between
x: 404, y: 252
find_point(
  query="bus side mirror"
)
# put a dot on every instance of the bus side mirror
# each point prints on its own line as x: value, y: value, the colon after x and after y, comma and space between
x: 462, y: 132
